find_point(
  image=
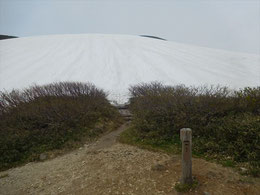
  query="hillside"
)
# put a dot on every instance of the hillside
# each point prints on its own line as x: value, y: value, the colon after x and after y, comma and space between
x: 2, y: 37
x: 113, y: 62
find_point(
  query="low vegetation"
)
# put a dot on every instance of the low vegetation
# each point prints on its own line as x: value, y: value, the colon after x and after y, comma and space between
x: 186, y: 187
x: 43, y: 118
x: 225, y: 123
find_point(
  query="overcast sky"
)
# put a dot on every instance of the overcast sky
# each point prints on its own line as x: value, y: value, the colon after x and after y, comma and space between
x: 225, y: 24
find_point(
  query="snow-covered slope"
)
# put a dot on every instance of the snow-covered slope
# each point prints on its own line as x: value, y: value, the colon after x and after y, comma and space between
x: 113, y: 62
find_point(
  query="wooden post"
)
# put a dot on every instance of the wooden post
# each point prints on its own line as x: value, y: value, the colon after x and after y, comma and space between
x: 185, y: 136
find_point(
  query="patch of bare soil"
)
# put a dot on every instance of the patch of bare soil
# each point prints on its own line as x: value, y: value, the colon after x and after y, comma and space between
x: 108, y: 167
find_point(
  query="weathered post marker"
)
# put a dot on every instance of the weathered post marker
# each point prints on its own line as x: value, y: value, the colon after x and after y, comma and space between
x: 186, y: 136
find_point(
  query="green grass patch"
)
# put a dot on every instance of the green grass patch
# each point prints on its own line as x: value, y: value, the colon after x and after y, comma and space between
x: 186, y: 187
x: 131, y: 137
x: 228, y: 163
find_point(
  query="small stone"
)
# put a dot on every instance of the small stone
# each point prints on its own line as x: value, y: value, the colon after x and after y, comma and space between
x: 52, y: 156
x: 243, y: 170
x: 158, y: 167
x: 43, y: 156
x: 3, y: 176
x: 211, y: 174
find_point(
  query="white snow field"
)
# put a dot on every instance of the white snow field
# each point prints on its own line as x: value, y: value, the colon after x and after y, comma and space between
x: 114, y: 62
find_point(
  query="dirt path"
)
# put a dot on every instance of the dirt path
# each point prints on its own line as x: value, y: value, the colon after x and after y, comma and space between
x: 108, y: 167
x: 108, y: 140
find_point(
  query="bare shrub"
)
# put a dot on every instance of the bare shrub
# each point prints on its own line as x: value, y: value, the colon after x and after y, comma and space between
x: 224, y: 121
x: 42, y: 118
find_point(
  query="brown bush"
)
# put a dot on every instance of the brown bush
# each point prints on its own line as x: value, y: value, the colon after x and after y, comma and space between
x: 224, y: 121
x: 46, y: 117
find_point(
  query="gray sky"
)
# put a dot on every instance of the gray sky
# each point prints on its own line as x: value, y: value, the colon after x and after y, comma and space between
x: 225, y: 24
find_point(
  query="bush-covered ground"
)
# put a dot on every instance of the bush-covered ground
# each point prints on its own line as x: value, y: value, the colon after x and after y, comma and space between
x: 43, y: 118
x: 225, y: 123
